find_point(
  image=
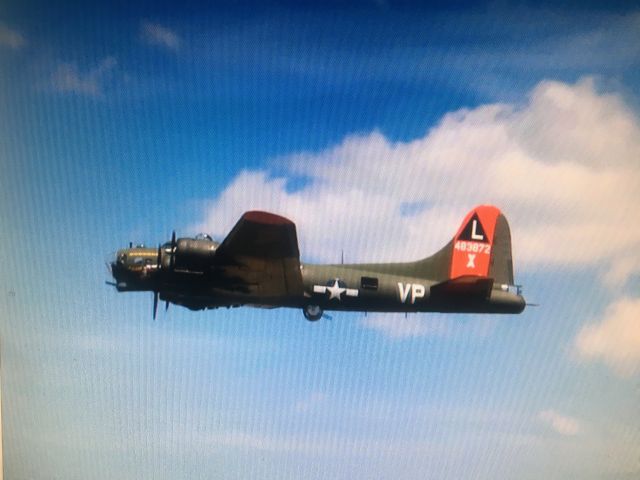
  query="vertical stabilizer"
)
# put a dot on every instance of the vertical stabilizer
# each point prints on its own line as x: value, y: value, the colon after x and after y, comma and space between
x: 473, y: 243
x: 480, y: 248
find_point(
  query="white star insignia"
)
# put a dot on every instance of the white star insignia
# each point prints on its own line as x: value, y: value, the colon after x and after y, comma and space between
x: 335, y: 290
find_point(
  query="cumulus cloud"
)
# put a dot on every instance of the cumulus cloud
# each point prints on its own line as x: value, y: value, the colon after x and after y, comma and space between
x: 615, y: 339
x: 68, y: 78
x: 11, y: 38
x: 621, y: 269
x: 563, y: 167
x: 560, y: 423
x: 155, y: 34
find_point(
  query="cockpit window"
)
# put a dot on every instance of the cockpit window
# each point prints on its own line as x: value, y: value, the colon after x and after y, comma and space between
x: 203, y: 236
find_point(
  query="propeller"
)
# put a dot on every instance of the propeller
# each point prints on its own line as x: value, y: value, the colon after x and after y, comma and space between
x: 155, y: 304
x: 172, y: 259
x: 156, y: 292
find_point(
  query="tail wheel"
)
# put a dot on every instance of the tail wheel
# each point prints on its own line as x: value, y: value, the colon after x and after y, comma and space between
x: 312, y: 312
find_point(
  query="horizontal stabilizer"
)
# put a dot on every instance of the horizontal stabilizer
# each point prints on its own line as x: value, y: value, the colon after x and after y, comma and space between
x: 466, y: 285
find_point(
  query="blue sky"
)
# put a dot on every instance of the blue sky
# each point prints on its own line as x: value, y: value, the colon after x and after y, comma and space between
x: 375, y: 127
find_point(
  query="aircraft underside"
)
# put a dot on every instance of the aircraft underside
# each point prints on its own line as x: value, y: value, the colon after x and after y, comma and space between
x: 393, y: 294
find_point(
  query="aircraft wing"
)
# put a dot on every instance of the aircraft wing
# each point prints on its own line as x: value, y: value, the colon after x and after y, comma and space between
x: 262, y: 251
x: 261, y: 234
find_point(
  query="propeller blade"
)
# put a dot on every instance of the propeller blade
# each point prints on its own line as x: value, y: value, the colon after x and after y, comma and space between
x: 113, y: 284
x: 166, y: 305
x: 172, y: 259
x: 155, y: 304
x: 158, y: 261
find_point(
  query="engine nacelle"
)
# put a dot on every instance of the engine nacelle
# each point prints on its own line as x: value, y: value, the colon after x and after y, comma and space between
x: 194, y: 255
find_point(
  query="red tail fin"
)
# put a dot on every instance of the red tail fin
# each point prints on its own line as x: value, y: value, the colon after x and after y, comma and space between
x: 473, y: 242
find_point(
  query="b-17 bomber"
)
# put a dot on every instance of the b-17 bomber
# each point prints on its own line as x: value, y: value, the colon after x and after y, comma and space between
x: 258, y: 264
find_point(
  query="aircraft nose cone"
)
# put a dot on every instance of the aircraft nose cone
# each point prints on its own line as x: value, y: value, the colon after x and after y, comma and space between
x: 115, y: 266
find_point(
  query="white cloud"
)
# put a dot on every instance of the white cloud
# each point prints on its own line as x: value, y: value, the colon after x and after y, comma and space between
x: 11, y: 38
x: 69, y: 79
x: 563, y: 167
x: 621, y: 269
x: 615, y: 339
x: 155, y: 34
x: 562, y: 424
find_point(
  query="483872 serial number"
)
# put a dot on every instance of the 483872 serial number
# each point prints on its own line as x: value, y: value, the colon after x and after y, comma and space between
x: 474, y: 247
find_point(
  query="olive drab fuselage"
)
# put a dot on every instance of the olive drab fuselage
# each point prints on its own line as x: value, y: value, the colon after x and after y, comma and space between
x: 258, y: 265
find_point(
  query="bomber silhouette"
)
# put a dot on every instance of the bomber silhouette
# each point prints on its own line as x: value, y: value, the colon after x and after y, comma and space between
x: 258, y: 264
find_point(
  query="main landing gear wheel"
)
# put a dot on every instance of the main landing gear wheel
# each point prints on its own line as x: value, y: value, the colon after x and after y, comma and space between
x: 312, y: 312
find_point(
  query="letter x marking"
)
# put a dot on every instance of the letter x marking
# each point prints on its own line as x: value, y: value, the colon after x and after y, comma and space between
x: 472, y: 260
